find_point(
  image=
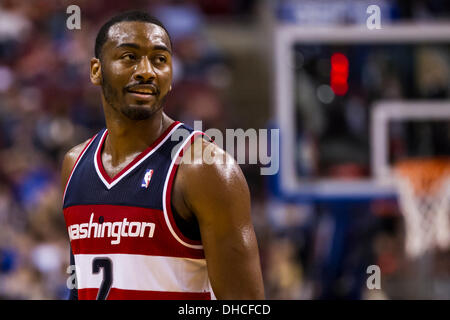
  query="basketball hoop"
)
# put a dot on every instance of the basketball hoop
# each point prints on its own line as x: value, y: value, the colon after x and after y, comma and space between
x: 423, y: 186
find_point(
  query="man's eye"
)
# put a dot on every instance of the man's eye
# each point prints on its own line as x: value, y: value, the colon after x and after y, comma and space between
x: 129, y: 56
x: 161, y: 59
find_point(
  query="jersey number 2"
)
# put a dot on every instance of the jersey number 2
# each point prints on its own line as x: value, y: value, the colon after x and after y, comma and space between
x: 106, y: 265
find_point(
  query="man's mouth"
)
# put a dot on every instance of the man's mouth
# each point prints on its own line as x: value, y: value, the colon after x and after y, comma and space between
x: 144, y: 90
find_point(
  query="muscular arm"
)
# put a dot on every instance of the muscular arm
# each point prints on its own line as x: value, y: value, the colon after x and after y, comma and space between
x: 218, y: 195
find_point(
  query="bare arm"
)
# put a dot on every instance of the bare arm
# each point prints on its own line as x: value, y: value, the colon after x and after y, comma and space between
x: 218, y: 195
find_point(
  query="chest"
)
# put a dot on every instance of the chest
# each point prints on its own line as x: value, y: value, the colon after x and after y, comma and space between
x: 113, y: 169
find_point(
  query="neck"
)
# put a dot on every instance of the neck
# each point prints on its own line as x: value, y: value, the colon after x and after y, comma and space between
x: 127, y: 137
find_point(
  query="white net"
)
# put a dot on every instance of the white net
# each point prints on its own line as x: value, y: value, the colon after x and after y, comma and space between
x: 424, y: 198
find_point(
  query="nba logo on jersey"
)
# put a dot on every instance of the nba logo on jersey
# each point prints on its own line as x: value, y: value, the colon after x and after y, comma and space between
x: 147, y: 178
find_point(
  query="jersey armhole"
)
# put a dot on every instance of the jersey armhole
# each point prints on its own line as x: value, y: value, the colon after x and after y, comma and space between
x: 187, y: 228
x: 167, y: 195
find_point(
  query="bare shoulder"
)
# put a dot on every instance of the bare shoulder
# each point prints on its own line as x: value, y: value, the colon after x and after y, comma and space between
x: 206, y: 161
x: 69, y: 161
x: 208, y: 174
x: 73, y: 153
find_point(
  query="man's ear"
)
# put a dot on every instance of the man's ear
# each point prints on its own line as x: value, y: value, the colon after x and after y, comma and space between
x: 96, y: 72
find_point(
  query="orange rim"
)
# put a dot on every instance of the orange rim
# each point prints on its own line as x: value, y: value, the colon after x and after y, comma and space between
x: 425, y: 174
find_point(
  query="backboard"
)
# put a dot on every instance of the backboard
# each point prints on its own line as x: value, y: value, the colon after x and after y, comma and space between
x: 330, y: 84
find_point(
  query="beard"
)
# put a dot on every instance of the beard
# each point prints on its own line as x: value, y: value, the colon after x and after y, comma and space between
x: 134, y: 112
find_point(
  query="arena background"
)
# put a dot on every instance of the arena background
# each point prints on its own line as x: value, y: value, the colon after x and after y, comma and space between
x: 227, y: 74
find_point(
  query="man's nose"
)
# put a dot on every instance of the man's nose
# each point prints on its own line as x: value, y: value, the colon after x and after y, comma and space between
x: 144, y: 71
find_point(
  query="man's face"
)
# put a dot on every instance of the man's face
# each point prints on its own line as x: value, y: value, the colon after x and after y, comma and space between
x: 136, y: 68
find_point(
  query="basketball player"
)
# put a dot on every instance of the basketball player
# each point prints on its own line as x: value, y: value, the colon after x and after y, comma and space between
x: 141, y: 223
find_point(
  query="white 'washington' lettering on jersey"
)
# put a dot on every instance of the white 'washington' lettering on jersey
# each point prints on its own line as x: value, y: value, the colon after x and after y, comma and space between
x: 116, y: 229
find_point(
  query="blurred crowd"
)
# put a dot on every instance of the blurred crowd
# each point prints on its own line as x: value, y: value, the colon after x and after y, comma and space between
x: 48, y: 105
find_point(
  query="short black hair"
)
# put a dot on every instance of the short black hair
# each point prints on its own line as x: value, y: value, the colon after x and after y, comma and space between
x: 134, y: 15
